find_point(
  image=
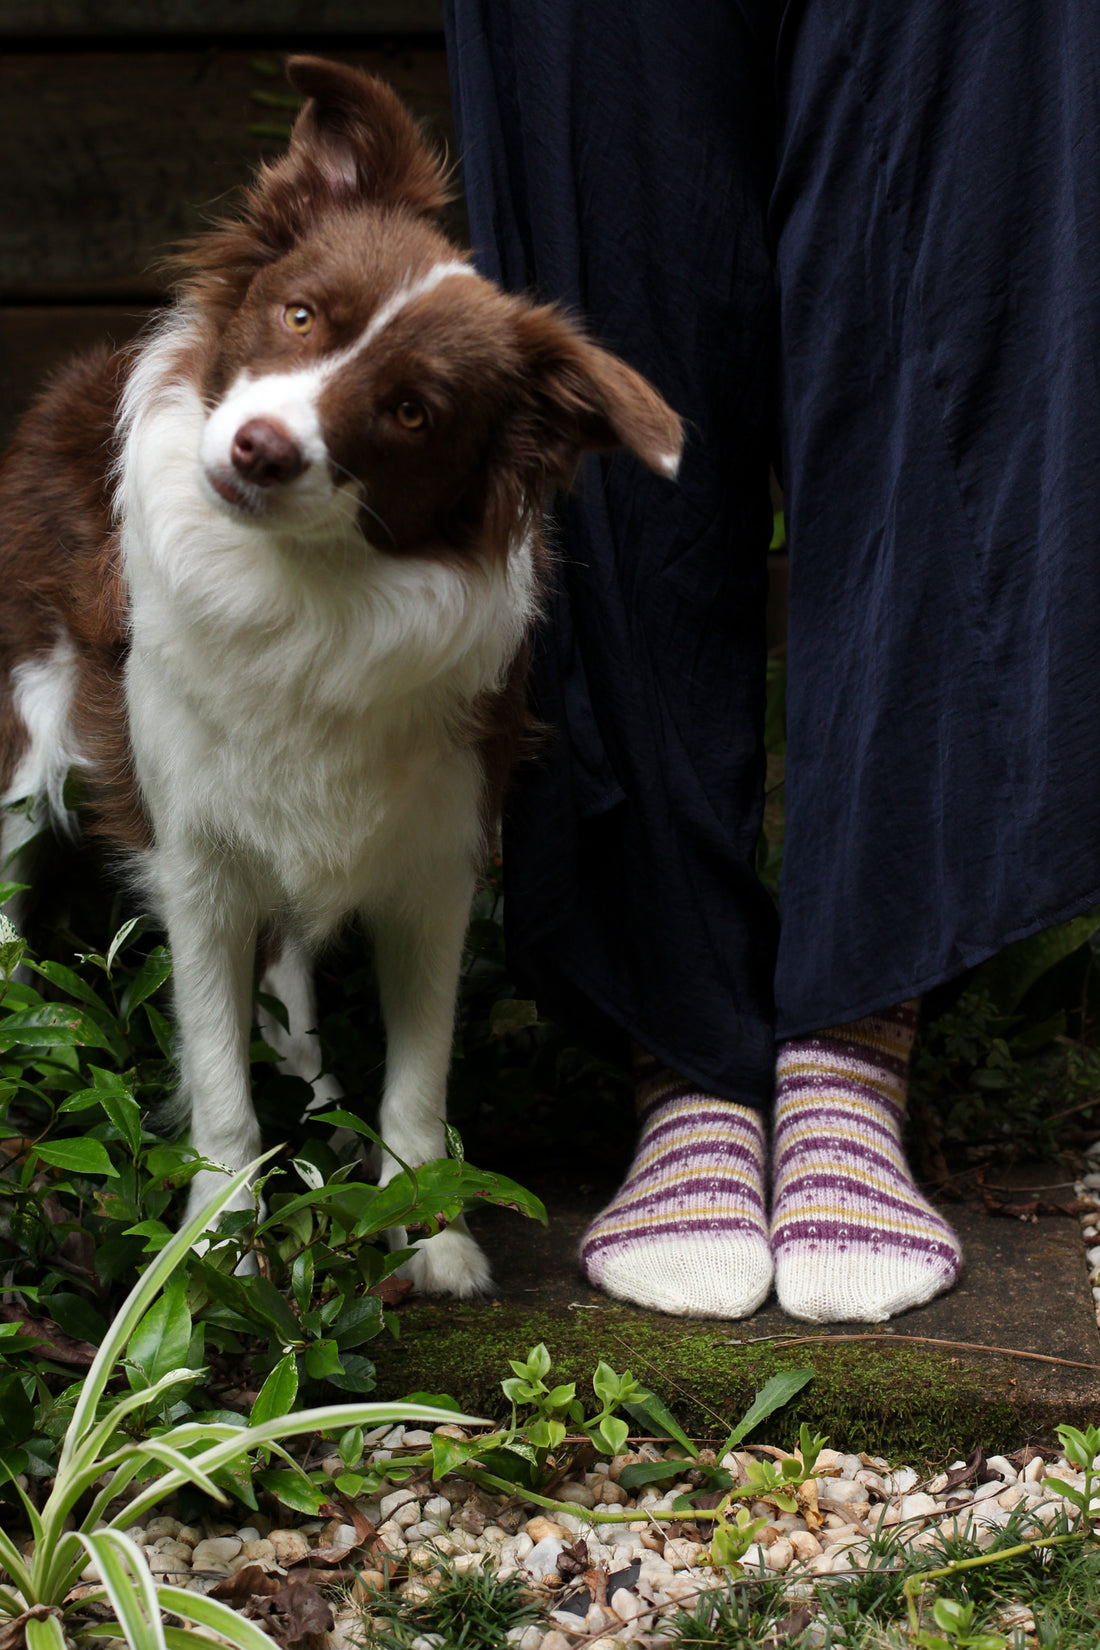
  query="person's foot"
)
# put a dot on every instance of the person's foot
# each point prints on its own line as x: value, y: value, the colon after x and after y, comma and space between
x: 852, y: 1236
x: 687, y: 1233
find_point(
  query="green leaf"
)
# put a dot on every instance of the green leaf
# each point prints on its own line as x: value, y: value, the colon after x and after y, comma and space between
x: 301, y: 1279
x: 455, y: 1148
x: 263, y: 1299
x: 350, y: 1447
x: 129, y: 1586
x: 612, y: 1433
x: 638, y: 1473
x: 277, y: 1395
x: 45, y: 1634
x: 75, y: 1316
x: 1009, y: 976
x: 293, y: 1489
x: 161, y: 1029
x: 81, y: 1156
x: 606, y: 1384
x: 83, y: 1431
x: 129, y: 932
x: 357, y: 1375
x: 649, y: 1410
x: 777, y: 1392
x: 54, y: 1023
x: 322, y: 1360
x: 210, y: 1612
x: 434, y: 1400
x: 510, y: 1015
x: 69, y: 980
x: 162, y: 1339
x: 357, y: 1321
x: 119, y: 1105
x: 148, y: 980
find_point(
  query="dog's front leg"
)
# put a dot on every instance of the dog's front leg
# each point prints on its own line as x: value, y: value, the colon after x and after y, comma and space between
x: 211, y: 923
x: 418, y: 955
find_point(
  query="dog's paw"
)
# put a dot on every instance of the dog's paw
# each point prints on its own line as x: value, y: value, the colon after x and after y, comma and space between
x: 450, y: 1263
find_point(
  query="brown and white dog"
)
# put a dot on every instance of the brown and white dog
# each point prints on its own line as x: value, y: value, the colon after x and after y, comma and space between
x: 266, y: 580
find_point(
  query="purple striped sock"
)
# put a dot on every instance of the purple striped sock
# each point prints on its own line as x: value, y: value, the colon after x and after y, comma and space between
x: 852, y: 1236
x: 687, y: 1231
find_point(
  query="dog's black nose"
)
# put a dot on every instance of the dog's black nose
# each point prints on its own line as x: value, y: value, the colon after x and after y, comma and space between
x: 265, y: 454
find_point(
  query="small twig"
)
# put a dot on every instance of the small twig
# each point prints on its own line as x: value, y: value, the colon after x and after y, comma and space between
x: 911, y: 1340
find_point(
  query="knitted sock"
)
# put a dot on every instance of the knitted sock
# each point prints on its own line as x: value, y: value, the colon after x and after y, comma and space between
x: 852, y: 1236
x: 687, y: 1233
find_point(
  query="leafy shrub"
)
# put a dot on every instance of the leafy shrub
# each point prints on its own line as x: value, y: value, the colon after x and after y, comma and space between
x: 87, y: 1193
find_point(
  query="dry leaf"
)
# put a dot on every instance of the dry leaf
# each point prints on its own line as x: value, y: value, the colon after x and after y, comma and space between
x: 792, y: 1626
x: 573, y: 1560
x: 364, y: 1530
x: 61, y: 1346
x: 250, y: 1581
x: 595, y: 1579
x: 392, y: 1290
x: 294, y: 1613
x: 963, y: 1475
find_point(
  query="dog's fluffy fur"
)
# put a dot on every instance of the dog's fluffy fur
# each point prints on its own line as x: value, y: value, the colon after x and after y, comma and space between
x: 266, y: 581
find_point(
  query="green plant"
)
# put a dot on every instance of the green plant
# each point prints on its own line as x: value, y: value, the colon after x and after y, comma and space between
x: 1009, y: 1055
x: 1082, y: 1449
x: 471, y: 1610
x: 955, y: 1621
x: 86, y: 1194
x: 101, y: 1461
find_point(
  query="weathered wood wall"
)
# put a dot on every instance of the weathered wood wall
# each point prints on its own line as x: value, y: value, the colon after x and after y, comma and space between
x: 124, y: 120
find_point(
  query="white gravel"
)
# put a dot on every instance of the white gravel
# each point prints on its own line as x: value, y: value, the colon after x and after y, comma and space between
x: 849, y: 1500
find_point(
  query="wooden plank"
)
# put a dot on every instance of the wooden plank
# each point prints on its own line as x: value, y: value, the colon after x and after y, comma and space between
x: 97, y: 18
x: 112, y: 157
x: 33, y: 341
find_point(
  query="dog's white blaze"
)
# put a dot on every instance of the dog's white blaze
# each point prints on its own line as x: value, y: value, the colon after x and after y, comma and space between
x: 402, y: 298
x: 290, y: 398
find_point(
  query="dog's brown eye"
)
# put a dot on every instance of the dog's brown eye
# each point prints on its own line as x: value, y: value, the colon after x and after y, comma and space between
x: 299, y: 318
x: 410, y: 415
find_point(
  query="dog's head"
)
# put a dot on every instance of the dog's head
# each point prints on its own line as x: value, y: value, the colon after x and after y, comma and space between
x: 357, y: 369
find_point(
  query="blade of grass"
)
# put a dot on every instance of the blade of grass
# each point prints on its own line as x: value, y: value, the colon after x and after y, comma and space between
x: 133, y: 1309
x: 129, y: 1585
x: 772, y: 1396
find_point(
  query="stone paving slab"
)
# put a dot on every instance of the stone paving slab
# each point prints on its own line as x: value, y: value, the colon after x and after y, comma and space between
x: 918, y: 1386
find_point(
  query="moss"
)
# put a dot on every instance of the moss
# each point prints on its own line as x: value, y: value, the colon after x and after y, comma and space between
x: 905, y: 1402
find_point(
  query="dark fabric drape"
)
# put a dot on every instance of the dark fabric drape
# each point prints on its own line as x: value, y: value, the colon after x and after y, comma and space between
x: 886, y: 220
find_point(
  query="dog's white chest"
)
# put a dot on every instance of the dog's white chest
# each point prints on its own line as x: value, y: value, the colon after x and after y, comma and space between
x: 307, y: 709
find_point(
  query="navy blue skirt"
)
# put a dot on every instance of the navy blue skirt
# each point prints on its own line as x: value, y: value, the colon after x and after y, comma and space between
x: 861, y: 241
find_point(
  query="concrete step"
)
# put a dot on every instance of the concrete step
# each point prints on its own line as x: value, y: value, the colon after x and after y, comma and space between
x: 1012, y: 1351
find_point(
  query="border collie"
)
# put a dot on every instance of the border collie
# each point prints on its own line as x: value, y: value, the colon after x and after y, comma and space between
x: 266, y: 581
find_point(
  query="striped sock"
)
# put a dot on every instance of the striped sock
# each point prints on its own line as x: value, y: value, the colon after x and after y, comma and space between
x: 852, y: 1236
x: 687, y: 1232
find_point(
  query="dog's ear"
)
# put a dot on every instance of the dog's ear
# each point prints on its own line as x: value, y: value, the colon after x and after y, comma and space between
x: 580, y: 399
x: 355, y: 140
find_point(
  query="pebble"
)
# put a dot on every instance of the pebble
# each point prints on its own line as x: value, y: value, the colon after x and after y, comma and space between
x: 289, y: 1546
x: 397, y: 1498
x: 542, y: 1558
x: 580, y: 1494
x: 682, y: 1555
x: 221, y: 1548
